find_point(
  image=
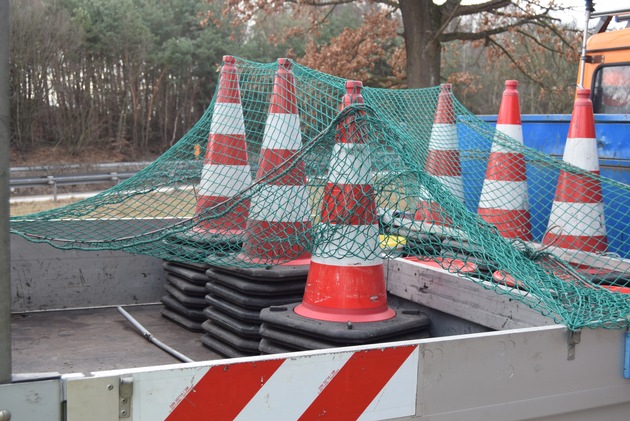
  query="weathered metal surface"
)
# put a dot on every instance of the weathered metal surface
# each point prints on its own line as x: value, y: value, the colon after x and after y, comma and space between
x: 98, y: 339
x: 508, y: 375
x: 45, y: 278
x: 36, y: 400
x: 449, y: 293
x: 353, y: 383
x: 97, y: 400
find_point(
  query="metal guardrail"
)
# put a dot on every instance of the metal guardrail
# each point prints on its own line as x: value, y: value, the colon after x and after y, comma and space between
x: 96, y: 168
x: 67, y: 180
x: 98, y: 173
x: 176, y: 168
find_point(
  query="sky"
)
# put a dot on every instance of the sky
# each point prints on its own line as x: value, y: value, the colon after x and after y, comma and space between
x: 576, y: 5
x: 600, y: 6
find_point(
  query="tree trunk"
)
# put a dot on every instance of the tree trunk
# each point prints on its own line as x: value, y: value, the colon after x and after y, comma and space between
x: 421, y: 22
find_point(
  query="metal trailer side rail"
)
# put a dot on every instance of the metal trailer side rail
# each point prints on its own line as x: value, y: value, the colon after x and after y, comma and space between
x: 508, y: 375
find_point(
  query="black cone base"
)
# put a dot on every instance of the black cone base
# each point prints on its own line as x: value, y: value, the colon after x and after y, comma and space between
x: 186, y: 299
x: 282, y: 326
x: 250, y: 301
x: 234, y: 310
x: 269, y: 347
x: 277, y: 273
x: 192, y: 289
x: 183, y: 321
x: 171, y: 303
x: 185, y: 294
x: 222, y: 240
x: 221, y: 347
x: 179, y: 251
x: 244, y: 346
x: 246, y: 286
x: 234, y: 303
x: 190, y: 273
x: 234, y: 325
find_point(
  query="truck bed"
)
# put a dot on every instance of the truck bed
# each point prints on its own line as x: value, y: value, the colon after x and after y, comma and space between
x: 54, y: 331
x: 500, y: 358
x: 86, y: 340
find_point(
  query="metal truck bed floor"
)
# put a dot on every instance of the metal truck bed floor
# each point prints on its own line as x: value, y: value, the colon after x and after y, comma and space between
x: 71, y: 341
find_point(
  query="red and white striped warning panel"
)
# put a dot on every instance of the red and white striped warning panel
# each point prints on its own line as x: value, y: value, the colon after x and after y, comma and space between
x: 372, y: 384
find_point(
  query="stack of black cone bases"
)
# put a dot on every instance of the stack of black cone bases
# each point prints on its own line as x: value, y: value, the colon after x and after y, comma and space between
x: 235, y: 298
x: 185, y: 289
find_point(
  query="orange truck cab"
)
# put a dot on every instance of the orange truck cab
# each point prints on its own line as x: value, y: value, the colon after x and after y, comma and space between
x: 607, y: 65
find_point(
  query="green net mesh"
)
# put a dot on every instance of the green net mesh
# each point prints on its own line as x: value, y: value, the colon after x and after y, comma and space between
x: 278, y: 169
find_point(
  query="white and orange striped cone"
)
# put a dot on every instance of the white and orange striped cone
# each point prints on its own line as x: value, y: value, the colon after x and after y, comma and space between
x: 274, y: 260
x: 342, y: 285
x: 504, y: 201
x: 442, y: 160
x: 577, y: 215
x: 226, y: 169
x: 345, y: 300
x: 279, y: 223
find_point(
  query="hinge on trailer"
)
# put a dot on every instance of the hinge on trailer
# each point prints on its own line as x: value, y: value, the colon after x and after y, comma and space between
x: 125, y: 392
x: 574, y: 339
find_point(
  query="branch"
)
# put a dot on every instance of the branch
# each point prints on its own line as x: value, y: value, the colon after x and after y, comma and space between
x: 449, y: 8
x: 322, y: 20
x: 320, y: 3
x: 550, y: 28
x: 559, y: 34
x: 535, y: 40
x: 475, y: 36
x: 516, y: 63
x: 478, y: 8
x: 392, y: 3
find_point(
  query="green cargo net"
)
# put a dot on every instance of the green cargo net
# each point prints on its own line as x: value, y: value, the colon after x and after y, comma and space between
x: 288, y: 162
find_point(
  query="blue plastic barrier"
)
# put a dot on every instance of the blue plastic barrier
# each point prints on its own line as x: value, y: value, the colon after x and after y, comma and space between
x: 547, y: 133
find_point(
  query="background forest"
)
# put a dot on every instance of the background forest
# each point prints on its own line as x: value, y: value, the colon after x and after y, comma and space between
x: 130, y: 77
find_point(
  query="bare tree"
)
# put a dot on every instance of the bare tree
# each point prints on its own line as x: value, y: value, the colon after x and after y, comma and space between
x: 426, y: 26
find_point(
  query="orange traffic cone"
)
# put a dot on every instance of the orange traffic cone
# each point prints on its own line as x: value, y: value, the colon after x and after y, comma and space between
x: 345, y: 300
x: 442, y: 160
x: 226, y: 169
x: 341, y: 285
x: 279, y: 221
x: 577, y: 215
x: 504, y: 200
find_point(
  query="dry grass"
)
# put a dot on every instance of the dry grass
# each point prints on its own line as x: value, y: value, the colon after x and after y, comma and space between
x: 25, y: 208
x: 176, y: 204
x: 158, y: 205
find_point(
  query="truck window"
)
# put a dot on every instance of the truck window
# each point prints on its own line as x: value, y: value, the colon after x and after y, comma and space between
x: 611, y: 89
